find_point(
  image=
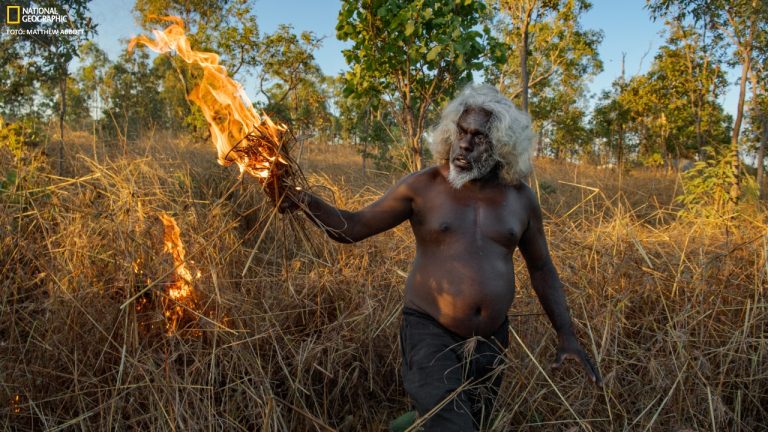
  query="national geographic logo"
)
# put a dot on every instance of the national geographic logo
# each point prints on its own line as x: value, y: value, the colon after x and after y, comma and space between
x: 45, y: 15
x: 13, y: 14
x: 38, y: 21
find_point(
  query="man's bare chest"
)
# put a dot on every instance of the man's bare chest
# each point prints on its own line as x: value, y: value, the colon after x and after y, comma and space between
x: 474, y: 220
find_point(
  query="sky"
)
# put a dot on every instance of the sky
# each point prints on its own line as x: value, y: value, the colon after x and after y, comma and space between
x: 626, y: 25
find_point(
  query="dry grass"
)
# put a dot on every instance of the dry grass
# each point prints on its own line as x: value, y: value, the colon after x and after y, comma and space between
x: 305, y: 337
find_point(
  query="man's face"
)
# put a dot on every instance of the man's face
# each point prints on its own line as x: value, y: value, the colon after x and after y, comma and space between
x: 472, y: 156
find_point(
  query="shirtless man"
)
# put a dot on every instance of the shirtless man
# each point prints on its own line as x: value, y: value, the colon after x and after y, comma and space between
x: 468, y: 215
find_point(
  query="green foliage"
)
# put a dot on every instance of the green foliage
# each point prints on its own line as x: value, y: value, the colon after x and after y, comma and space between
x: 226, y: 27
x: 561, y: 57
x: 18, y: 80
x: 18, y: 135
x: 707, y: 186
x: 133, y: 103
x: 563, y: 129
x: 740, y: 33
x: 369, y: 130
x: 296, y: 92
x: 674, y: 106
x: 673, y: 109
x: 78, y: 104
x: 90, y: 76
x: 408, y: 56
x: 610, y: 120
x: 8, y: 181
x: 41, y: 58
x: 653, y: 161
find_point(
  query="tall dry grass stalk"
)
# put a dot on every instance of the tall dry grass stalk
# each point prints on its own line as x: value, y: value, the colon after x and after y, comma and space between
x: 674, y: 311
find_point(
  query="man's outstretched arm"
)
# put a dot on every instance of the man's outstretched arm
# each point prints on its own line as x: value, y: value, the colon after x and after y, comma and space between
x: 549, y: 290
x: 393, y: 208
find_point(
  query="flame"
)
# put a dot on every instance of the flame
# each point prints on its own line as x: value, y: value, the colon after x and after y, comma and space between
x: 141, y: 279
x: 240, y: 134
x: 15, y: 404
x: 181, y: 294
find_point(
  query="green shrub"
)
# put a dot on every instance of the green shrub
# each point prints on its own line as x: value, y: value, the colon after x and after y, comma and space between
x: 706, y: 186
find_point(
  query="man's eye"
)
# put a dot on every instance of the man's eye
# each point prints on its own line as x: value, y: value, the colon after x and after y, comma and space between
x: 482, y: 139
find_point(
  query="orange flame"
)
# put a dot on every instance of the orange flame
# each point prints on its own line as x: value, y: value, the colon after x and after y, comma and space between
x: 15, y: 404
x: 228, y: 110
x: 181, y: 292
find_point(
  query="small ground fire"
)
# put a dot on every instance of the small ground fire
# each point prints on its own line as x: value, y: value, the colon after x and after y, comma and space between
x: 181, y: 293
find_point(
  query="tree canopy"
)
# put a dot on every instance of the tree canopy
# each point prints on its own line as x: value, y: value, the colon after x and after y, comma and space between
x: 406, y: 59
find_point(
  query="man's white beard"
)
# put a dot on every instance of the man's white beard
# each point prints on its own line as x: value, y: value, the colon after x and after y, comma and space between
x: 458, y: 177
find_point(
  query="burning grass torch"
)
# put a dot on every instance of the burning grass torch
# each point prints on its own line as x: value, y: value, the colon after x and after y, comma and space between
x: 242, y: 136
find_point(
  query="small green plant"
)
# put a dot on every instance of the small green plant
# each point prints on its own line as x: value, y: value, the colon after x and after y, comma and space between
x: 707, y: 185
x: 17, y: 135
x: 7, y: 182
x: 654, y: 161
x: 11, y: 136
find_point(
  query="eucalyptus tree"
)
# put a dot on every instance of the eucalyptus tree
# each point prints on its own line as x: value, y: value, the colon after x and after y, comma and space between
x: 44, y: 50
x: 409, y: 56
x: 548, y: 46
x: 739, y: 25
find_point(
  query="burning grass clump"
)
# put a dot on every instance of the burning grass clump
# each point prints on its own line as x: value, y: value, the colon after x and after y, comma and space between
x: 288, y: 331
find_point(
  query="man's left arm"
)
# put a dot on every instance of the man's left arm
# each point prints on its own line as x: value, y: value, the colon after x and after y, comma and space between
x: 549, y: 289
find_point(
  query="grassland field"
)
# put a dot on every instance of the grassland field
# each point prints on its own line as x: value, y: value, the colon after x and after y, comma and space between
x: 288, y: 331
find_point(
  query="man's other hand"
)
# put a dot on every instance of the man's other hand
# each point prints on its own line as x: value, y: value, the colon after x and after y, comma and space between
x: 568, y: 348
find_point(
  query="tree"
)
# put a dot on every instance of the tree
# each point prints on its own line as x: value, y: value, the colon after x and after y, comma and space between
x: 18, y: 79
x: 674, y: 106
x: 610, y: 119
x: 550, y: 49
x: 90, y: 75
x: 226, y: 27
x: 295, y: 89
x: 759, y: 111
x: 369, y: 128
x: 46, y: 46
x: 670, y: 112
x: 739, y: 23
x: 408, y: 56
x: 132, y: 96
x: 563, y: 129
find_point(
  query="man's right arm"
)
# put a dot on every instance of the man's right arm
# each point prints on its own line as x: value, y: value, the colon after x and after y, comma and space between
x: 344, y: 226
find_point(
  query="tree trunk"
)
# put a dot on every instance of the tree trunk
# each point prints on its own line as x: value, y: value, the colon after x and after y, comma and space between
x: 620, y: 149
x: 697, y: 94
x: 356, y: 143
x: 539, y: 144
x: 761, y: 116
x: 416, y: 150
x: 524, y: 66
x: 62, y: 112
x: 761, y: 155
x: 735, y: 190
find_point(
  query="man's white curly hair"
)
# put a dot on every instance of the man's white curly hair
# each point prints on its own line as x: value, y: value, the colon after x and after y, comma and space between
x: 510, y: 130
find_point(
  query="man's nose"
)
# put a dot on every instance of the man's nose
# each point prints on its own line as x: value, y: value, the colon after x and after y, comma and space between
x: 465, y: 143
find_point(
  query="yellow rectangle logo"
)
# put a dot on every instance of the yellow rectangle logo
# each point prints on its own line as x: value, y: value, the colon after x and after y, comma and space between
x: 8, y: 12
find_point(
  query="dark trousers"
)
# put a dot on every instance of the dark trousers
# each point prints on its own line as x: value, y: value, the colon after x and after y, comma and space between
x: 436, y: 362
